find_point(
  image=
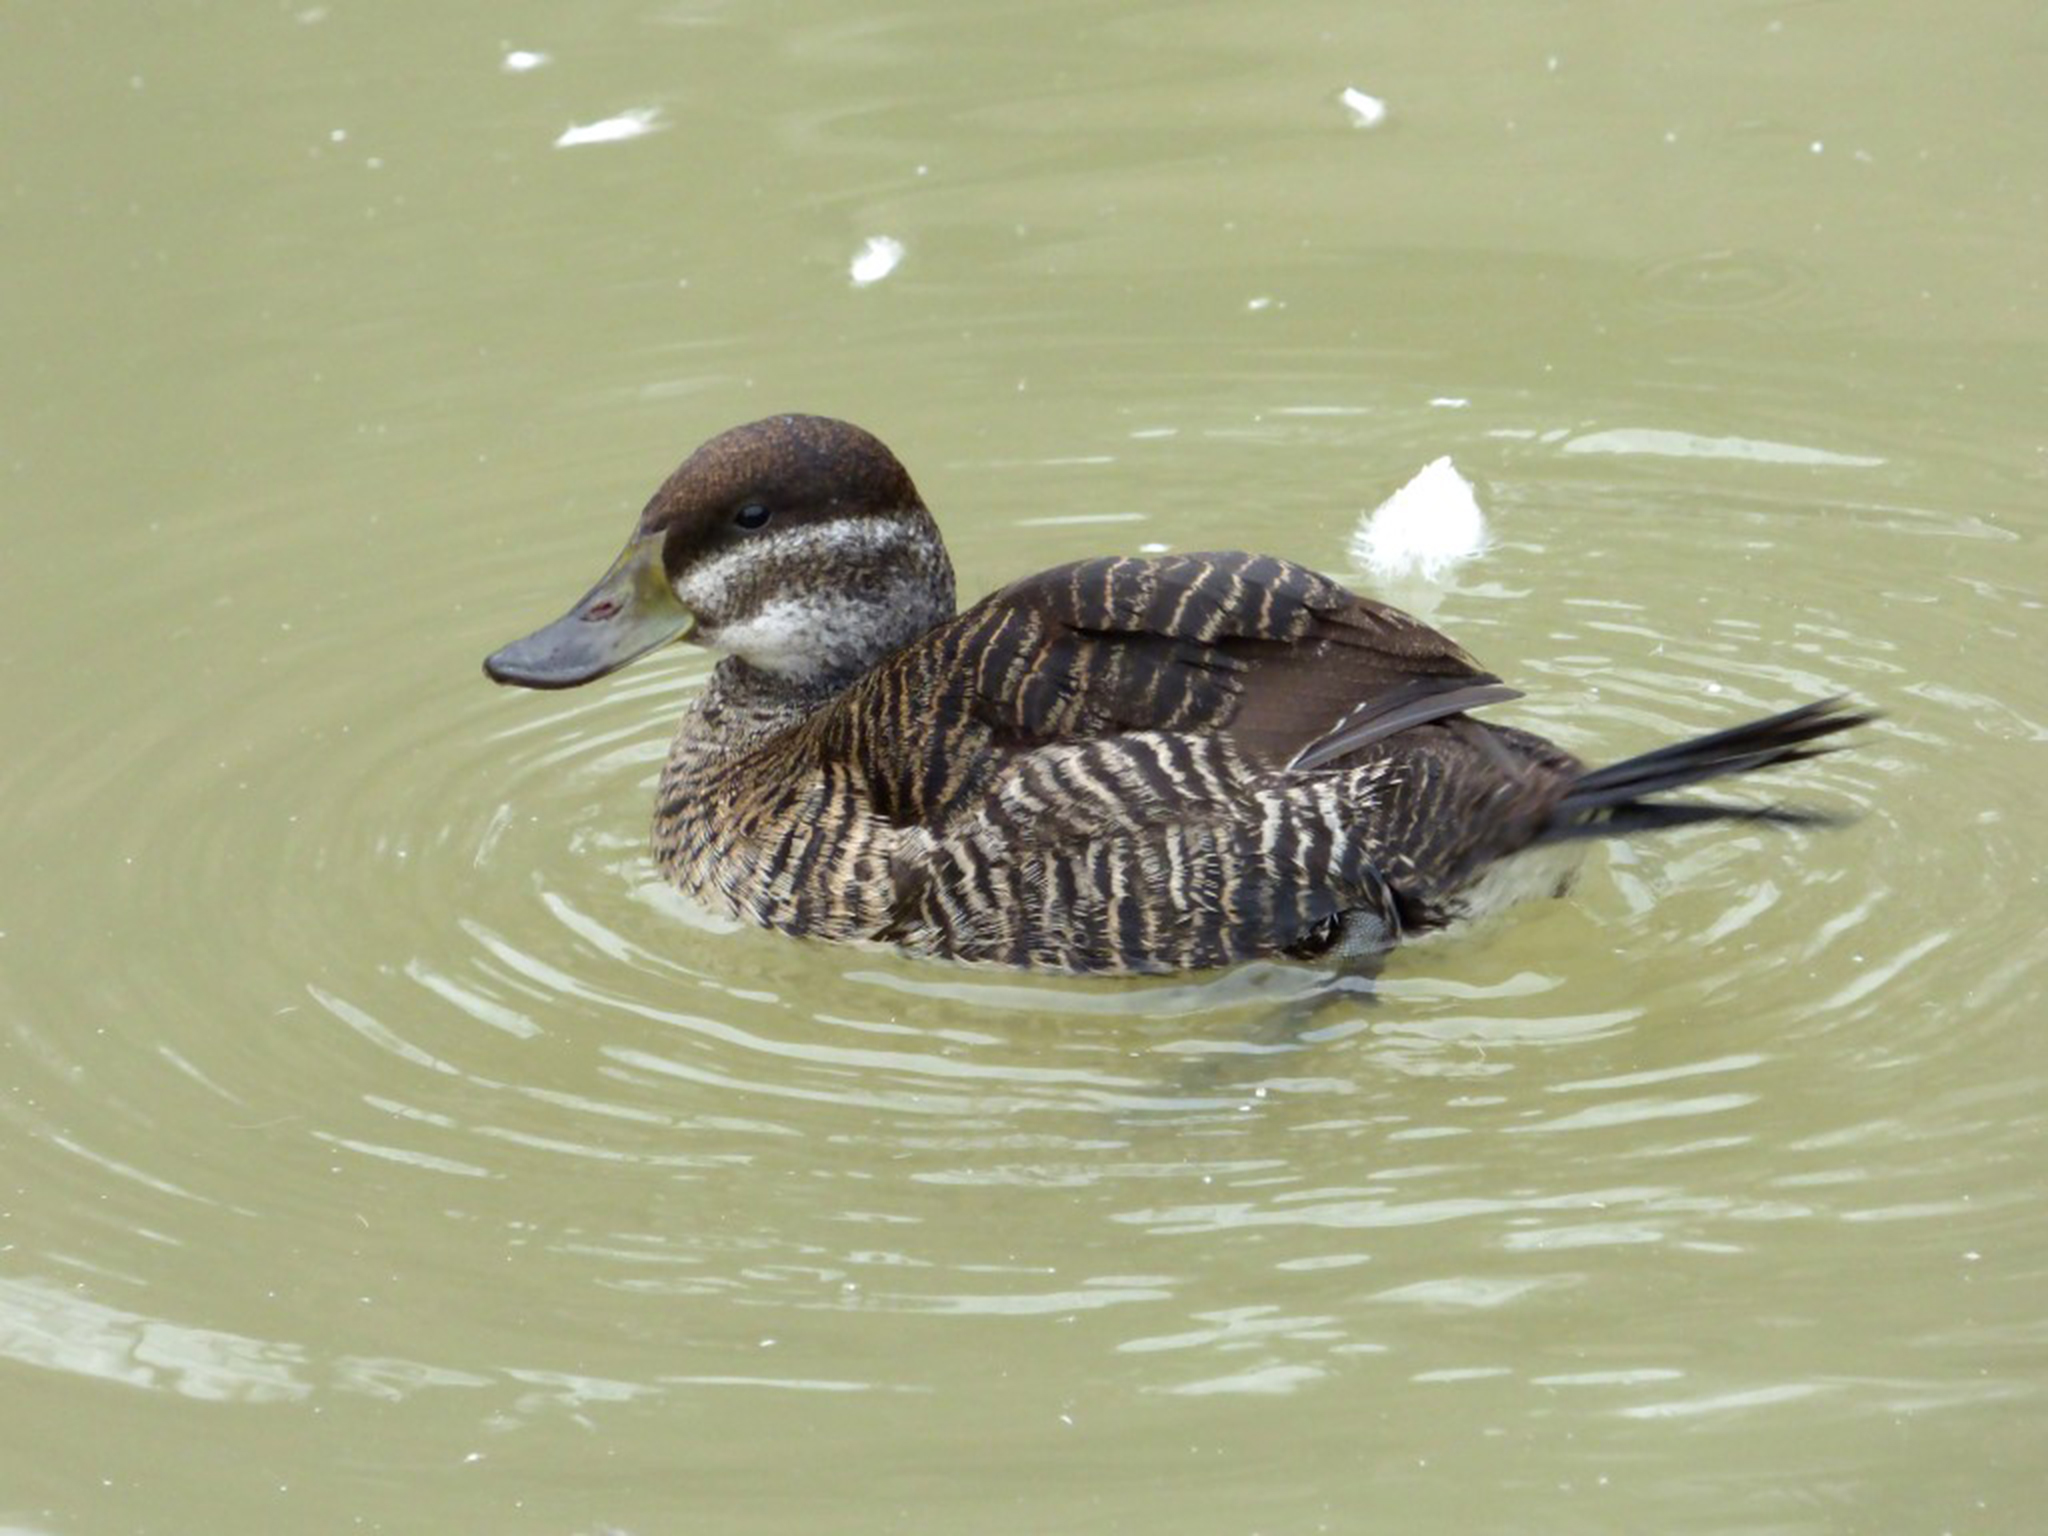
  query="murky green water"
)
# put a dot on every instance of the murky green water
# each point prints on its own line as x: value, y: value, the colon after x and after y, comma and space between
x: 381, y: 1149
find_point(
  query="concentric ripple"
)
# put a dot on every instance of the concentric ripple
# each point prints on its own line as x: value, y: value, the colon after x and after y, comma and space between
x: 1728, y: 282
x: 392, y: 1003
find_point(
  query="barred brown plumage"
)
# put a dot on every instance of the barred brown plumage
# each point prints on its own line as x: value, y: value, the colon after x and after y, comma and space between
x: 1121, y: 764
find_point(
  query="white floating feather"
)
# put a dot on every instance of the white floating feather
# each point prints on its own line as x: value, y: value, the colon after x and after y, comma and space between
x: 875, y: 260
x: 630, y: 124
x: 1428, y: 526
x: 1366, y: 111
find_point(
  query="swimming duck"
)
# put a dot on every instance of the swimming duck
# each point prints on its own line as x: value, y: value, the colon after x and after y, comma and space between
x: 1118, y: 765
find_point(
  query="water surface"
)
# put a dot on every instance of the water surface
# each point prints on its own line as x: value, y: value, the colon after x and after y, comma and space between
x: 386, y: 1150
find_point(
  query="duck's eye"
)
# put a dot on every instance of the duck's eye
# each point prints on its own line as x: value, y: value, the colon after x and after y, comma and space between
x: 753, y: 515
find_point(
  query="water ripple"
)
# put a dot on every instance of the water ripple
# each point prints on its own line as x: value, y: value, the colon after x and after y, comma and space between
x: 425, y: 1018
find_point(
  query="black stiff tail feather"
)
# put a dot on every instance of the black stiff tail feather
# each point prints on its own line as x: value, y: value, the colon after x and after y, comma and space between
x: 1612, y: 801
x: 1661, y: 816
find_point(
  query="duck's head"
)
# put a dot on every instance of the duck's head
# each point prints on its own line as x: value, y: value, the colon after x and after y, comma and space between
x: 798, y: 544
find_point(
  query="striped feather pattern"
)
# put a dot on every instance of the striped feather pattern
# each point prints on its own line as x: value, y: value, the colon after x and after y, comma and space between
x: 1057, y: 779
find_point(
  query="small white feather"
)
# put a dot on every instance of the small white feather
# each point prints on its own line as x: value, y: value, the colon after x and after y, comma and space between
x: 1425, y: 528
x: 1367, y: 111
x: 630, y: 124
x: 875, y: 260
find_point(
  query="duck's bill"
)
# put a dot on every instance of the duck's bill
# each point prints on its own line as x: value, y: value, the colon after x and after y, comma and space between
x: 627, y: 614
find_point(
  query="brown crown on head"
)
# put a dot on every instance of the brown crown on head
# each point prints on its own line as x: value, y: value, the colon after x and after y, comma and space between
x: 795, y: 466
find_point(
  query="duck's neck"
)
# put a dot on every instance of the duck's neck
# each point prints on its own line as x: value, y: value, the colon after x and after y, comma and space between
x: 834, y: 638
x: 743, y: 703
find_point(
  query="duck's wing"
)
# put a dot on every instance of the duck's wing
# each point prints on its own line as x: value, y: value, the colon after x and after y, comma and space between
x: 1295, y: 667
x: 1285, y: 665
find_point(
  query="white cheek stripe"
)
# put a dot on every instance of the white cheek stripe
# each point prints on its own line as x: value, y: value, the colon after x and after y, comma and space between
x: 793, y: 636
x: 705, y: 585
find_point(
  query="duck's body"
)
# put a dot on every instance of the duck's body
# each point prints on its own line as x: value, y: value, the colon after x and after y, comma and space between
x: 1118, y: 765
